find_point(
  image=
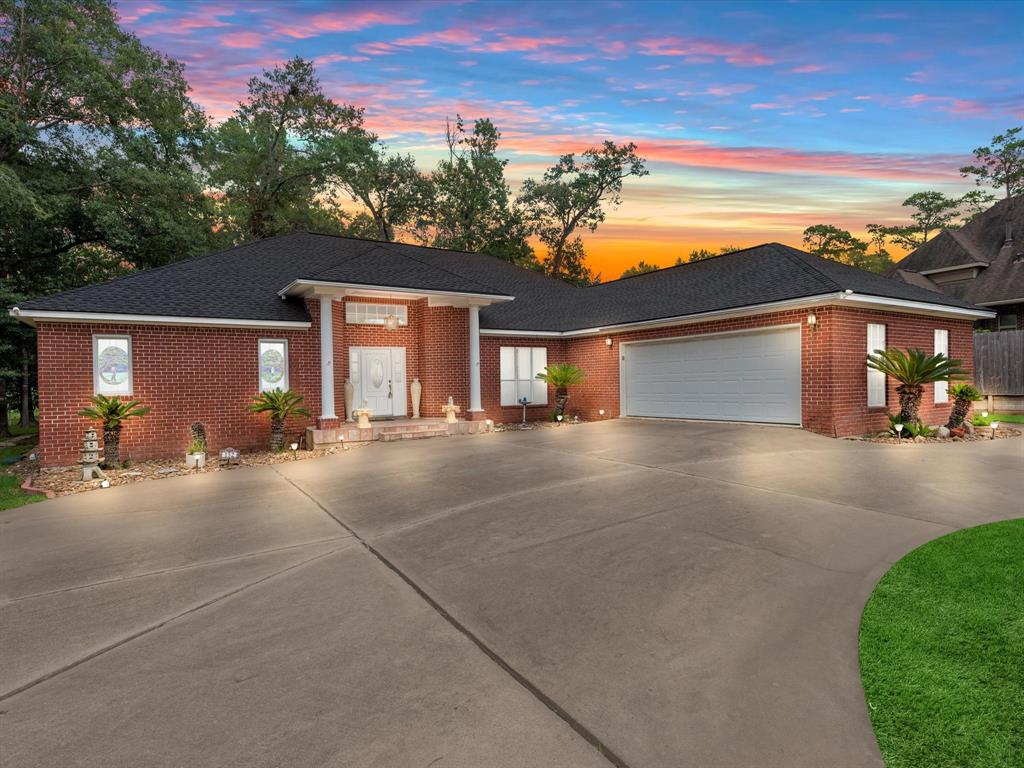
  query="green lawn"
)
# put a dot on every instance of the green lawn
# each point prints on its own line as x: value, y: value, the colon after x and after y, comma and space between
x: 11, y: 494
x: 942, y: 652
x: 1006, y: 418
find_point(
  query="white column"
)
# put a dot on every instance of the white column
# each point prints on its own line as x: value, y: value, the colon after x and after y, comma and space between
x: 326, y: 359
x: 474, y: 359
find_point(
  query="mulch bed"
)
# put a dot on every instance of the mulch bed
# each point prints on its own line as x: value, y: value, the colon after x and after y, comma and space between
x: 64, y: 481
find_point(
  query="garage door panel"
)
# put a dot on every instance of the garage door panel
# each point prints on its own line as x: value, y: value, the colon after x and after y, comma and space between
x: 748, y: 377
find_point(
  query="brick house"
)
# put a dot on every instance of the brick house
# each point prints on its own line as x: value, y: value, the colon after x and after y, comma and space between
x: 767, y: 334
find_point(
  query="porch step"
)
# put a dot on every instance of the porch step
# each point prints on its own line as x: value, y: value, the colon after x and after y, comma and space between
x: 413, y: 432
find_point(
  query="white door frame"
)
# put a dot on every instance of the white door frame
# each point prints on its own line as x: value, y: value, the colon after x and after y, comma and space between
x: 693, y: 336
x: 399, y: 399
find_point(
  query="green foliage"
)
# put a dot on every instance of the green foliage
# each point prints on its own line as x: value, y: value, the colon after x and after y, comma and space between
x: 940, y: 648
x: 281, y: 405
x: 561, y: 375
x: 837, y: 244
x: 12, y: 496
x: 572, y: 195
x: 269, y: 161
x: 964, y: 391
x: 911, y: 429
x: 99, y: 145
x: 197, y: 446
x: 1001, y: 164
x: 111, y: 412
x: 699, y: 254
x: 640, y: 269
x: 467, y: 205
x: 914, y: 367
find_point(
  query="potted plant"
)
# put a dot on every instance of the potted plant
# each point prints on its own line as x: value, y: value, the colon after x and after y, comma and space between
x: 963, y: 395
x: 111, y: 413
x: 195, y: 458
x: 562, y: 376
x: 280, y: 405
x: 913, y: 369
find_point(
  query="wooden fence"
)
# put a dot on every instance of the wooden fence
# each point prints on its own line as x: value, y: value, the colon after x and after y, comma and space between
x: 999, y: 362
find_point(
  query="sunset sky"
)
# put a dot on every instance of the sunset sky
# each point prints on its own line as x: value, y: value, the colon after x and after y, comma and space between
x: 758, y: 119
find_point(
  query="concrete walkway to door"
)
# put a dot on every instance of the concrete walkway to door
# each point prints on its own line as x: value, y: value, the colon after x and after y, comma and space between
x: 632, y: 593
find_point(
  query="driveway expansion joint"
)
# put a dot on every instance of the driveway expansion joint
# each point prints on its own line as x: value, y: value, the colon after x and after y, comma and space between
x: 581, y: 730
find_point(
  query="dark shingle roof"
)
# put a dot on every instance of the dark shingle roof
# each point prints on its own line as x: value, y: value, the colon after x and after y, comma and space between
x: 980, y: 243
x: 244, y: 282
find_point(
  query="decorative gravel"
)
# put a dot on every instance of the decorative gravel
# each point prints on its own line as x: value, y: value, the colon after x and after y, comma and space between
x: 981, y: 434
x: 67, y: 480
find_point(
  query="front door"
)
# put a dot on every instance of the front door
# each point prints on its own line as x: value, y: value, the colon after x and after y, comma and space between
x: 378, y: 374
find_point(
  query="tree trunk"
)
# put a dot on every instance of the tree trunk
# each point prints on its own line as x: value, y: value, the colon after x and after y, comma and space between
x: 27, y: 415
x: 960, y: 409
x: 112, y: 447
x: 561, y: 398
x: 5, y: 425
x: 910, y: 402
x: 276, y: 434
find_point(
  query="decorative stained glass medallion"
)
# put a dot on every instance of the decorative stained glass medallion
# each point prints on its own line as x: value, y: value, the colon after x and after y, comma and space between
x: 114, y: 365
x: 272, y: 366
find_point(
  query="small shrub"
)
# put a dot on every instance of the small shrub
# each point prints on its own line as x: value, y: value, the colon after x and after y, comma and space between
x: 981, y: 421
x: 963, y: 395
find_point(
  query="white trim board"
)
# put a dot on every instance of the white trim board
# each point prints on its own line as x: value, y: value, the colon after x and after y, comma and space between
x: 337, y: 289
x: 842, y: 297
x: 28, y: 316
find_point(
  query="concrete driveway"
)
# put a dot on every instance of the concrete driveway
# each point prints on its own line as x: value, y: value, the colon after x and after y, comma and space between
x: 631, y: 593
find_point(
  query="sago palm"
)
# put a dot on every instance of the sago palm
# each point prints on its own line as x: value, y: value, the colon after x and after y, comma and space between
x: 561, y: 376
x: 963, y: 395
x: 913, y: 369
x: 110, y: 412
x: 281, y: 406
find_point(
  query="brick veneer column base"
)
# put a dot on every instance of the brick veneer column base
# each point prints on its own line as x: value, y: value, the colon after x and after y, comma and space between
x: 475, y: 415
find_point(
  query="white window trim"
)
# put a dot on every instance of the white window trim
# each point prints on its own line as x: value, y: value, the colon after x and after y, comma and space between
x: 876, y: 381
x: 942, y: 345
x: 353, y: 310
x: 259, y: 364
x: 97, y: 382
x: 517, y: 379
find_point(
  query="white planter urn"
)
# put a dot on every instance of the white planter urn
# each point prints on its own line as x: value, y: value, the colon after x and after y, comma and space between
x: 349, y: 391
x: 416, y: 391
x: 195, y: 460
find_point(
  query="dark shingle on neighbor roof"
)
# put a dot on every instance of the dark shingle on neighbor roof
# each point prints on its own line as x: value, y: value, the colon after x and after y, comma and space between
x: 244, y: 282
x: 982, y: 242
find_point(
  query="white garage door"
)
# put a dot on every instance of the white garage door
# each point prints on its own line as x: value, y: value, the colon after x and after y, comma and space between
x: 735, y: 377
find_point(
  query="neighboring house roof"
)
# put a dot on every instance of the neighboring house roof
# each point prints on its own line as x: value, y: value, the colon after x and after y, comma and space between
x: 983, y: 243
x: 913, y: 278
x: 245, y: 283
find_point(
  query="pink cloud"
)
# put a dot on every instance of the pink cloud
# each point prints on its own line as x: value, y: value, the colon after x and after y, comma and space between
x: 377, y: 49
x: 331, y: 58
x: 557, y: 57
x: 242, y: 40
x: 508, y: 43
x: 453, y: 36
x: 702, y: 50
x: 137, y: 11
x: 806, y: 69
x: 339, y: 21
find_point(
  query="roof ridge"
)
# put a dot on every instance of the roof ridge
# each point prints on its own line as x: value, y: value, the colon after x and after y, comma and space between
x: 389, y: 247
x: 791, y: 254
x: 683, y: 264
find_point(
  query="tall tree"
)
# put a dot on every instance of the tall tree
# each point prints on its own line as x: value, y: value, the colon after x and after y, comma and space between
x: 973, y: 203
x: 831, y: 242
x: 1001, y: 164
x: 390, y: 187
x: 267, y: 160
x: 467, y: 204
x: 573, y: 193
x: 932, y: 212
x: 98, y: 147
x: 642, y: 267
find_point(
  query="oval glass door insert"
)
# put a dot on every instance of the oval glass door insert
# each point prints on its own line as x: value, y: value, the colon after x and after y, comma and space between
x: 377, y: 375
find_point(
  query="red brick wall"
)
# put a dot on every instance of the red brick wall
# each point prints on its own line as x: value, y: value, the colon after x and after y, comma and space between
x: 834, y: 376
x: 444, y: 358
x: 490, y: 377
x: 184, y: 374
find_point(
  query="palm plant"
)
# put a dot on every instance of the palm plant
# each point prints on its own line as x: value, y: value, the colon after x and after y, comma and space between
x: 963, y: 395
x: 111, y: 412
x: 281, y: 406
x: 913, y: 369
x: 562, y: 376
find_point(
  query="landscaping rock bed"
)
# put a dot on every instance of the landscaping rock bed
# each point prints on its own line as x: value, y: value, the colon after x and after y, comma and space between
x: 980, y: 434
x: 64, y: 481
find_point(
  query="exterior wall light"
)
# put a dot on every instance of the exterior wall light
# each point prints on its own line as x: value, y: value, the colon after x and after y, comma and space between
x: 812, y: 320
x: 608, y: 341
x: 600, y: 411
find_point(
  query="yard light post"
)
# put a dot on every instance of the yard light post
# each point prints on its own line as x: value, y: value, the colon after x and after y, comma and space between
x: 295, y: 450
x: 995, y: 426
x: 899, y: 432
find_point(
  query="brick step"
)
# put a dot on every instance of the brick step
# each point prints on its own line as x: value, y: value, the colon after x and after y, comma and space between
x: 415, y: 434
x: 412, y: 428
